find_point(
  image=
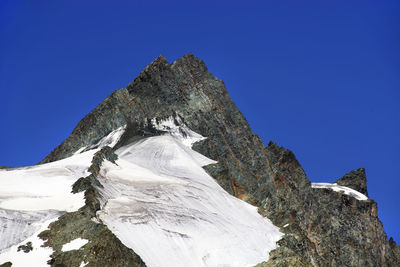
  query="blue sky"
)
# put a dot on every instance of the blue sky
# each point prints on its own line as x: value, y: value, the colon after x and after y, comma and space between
x: 320, y: 78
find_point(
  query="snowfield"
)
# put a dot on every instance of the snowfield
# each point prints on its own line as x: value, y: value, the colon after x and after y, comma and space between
x: 38, y: 257
x: 157, y: 199
x: 31, y: 196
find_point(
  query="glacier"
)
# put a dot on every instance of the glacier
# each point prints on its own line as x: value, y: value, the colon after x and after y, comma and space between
x: 159, y: 201
x: 156, y: 198
x: 38, y: 257
x: 32, y: 197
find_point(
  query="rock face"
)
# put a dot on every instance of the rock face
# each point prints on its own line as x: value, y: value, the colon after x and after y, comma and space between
x: 322, y: 227
x: 356, y: 180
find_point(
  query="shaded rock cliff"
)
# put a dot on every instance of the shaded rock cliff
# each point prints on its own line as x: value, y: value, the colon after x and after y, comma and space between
x: 322, y: 227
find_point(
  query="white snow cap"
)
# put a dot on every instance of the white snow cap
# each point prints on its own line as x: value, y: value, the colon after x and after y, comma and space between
x: 342, y: 189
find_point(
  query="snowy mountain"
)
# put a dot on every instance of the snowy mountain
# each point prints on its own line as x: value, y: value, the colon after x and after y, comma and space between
x: 167, y: 172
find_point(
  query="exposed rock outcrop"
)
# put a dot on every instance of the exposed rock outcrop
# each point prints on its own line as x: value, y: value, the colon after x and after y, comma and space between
x: 356, y: 180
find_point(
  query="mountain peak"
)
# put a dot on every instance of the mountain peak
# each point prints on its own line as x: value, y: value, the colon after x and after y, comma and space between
x: 159, y: 60
x: 269, y: 177
x: 356, y: 180
x: 191, y: 64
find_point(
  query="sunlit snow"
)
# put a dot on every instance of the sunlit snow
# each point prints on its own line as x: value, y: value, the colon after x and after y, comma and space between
x: 342, y: 189
x: 30, y: 196
x: 74, y: 244
x: 110, y: 140
x: 176, y: 128
x: 158, y: 200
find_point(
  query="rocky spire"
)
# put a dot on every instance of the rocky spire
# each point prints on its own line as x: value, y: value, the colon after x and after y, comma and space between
x: 356, y: 180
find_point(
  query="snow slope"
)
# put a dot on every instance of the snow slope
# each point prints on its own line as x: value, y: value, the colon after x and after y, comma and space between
x: 342, y: 189
x: 31, y: 196
x: 159, y: 201
x: 38, y: 257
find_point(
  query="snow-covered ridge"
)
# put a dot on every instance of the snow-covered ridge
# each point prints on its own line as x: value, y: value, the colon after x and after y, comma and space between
x: 158, y: 200
x: 341, y: 189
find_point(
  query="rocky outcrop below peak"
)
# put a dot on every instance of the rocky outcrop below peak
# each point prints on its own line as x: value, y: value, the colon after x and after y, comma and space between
x: 322, y: 227
x: 356, y: 180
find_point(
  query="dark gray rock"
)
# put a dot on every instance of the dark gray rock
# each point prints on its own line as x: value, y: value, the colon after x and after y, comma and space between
x: 25, y: 248
x: 356, y: 180
x: 333, y: 229
x: 103, y: 248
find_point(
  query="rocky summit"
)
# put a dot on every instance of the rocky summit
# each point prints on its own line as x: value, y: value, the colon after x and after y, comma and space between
x: 167, y: 172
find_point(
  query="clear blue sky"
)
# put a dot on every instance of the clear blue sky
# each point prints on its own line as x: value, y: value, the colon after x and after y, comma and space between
x: 320, y: 78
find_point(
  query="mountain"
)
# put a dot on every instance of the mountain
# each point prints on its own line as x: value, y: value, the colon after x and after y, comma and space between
x: 167, y: 172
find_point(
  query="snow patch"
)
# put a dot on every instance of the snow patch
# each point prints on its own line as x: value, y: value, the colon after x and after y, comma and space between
x: 95, y: 220
x: 176, y: 128
x: 74, y: 244
x: 341, y: 189
x: 112, y: 138
x: 80, y: 150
